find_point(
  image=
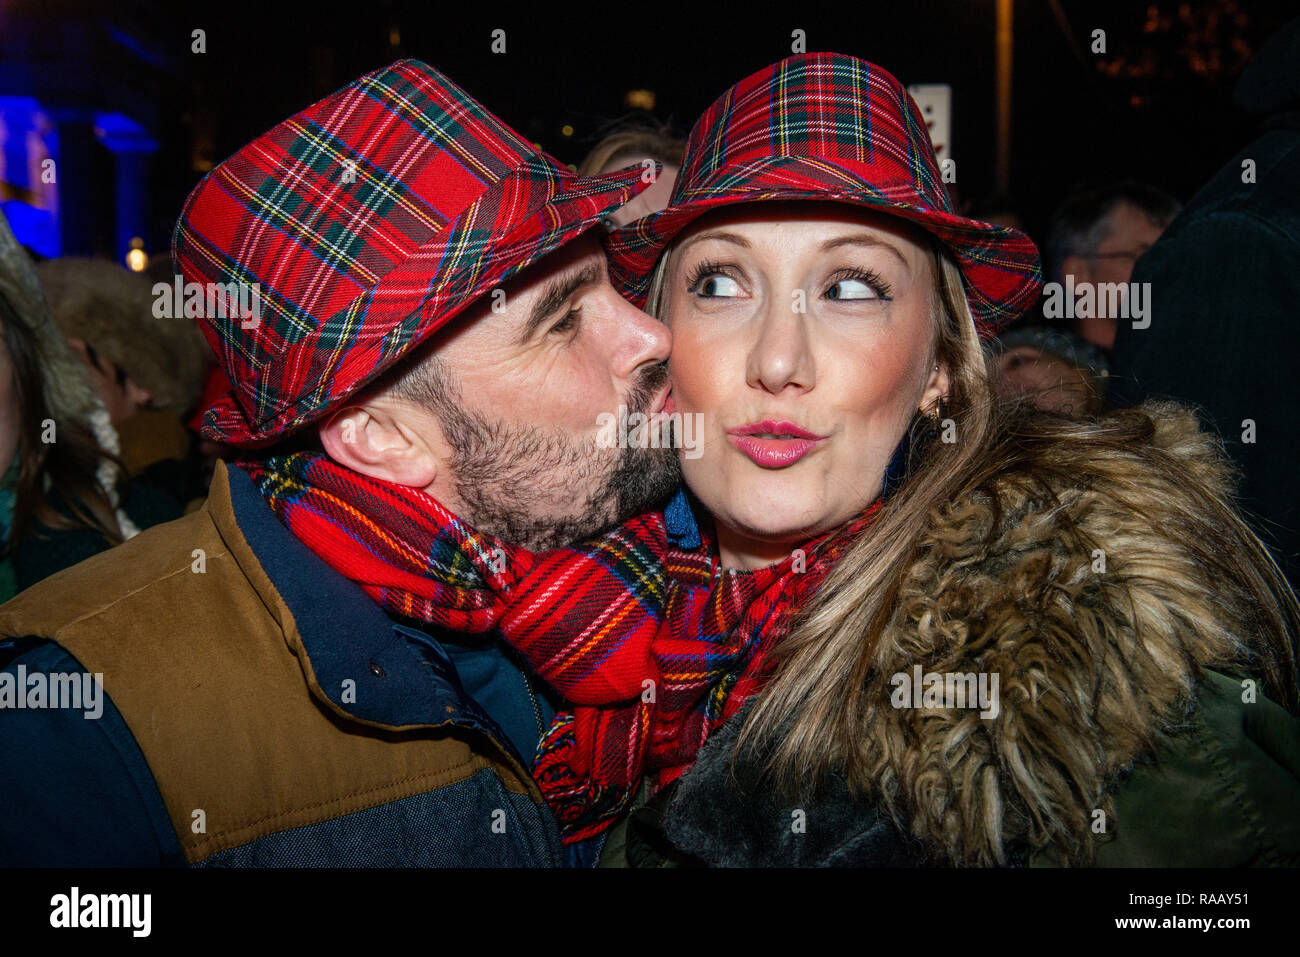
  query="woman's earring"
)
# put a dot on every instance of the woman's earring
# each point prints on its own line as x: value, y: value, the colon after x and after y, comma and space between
x: 936, y: 416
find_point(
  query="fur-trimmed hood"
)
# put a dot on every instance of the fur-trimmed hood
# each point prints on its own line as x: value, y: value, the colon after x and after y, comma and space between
x: 1075, y: 588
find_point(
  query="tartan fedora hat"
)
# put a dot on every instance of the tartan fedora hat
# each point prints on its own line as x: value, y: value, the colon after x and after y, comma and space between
x: 829, y: 127
x: 335, y: 243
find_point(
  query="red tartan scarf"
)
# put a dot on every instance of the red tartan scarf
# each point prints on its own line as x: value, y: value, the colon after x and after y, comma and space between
x: 653, y: 642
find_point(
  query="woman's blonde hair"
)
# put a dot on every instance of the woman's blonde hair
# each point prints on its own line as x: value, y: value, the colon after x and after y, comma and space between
x: 808, y: 722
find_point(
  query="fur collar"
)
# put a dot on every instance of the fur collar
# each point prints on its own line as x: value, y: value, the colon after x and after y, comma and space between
x: 1072, y: 589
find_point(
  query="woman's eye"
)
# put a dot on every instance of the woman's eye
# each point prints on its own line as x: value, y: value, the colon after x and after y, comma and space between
x: 851, y: 289
x: 716, y: 287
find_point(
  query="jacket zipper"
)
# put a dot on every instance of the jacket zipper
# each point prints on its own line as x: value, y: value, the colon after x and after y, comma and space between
x: 537, y: 712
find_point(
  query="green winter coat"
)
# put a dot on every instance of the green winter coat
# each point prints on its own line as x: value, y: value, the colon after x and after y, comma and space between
x: 1224, y: 791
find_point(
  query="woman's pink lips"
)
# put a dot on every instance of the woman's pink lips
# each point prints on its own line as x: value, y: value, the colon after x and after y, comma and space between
x: 774, y: 453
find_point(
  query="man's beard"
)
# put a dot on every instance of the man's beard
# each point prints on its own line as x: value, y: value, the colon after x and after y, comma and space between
x: 526, y: 485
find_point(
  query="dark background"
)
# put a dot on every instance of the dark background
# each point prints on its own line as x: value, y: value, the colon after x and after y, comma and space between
x: 1157, y: 106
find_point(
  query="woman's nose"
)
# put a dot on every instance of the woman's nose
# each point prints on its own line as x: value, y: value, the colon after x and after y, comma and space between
x: 780, y: 356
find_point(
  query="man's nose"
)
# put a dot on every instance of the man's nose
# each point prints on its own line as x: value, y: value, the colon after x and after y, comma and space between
x: 642, y: 339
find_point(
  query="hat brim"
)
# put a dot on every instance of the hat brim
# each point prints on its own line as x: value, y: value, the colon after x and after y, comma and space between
x: 439, y: 281
x: 1000, y: 265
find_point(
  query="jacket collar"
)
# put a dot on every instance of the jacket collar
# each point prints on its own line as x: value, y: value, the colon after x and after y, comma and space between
x: 723, y: 814
x: 355, y: 659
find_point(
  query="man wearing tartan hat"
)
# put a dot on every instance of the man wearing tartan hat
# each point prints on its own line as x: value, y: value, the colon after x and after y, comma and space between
x: 412, y: 304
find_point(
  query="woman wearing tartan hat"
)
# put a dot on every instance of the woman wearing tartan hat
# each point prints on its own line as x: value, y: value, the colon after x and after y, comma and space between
x: 886, y: 621
x: 1098, y: 569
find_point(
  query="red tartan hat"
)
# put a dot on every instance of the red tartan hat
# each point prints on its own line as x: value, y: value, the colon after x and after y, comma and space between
x: 357, y: 228
x: 829, y: 127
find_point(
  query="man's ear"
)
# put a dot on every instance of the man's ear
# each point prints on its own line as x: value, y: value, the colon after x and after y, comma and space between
x: 375, y: 440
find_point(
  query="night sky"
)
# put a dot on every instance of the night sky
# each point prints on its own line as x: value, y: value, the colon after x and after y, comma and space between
x: 1156, y: 107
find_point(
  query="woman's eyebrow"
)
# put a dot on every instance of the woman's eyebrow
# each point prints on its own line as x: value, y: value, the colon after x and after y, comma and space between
x: 725, y: 237
x: 859, y: 239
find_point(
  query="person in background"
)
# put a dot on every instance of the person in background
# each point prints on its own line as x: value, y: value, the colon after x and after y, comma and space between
x: 1055, y: 370
x: 1225, y: 280
x: 636, y: 144
x: 148, y: 371
x: 1097, y: 235
x: 59, y: 495
x: 1001, y: 209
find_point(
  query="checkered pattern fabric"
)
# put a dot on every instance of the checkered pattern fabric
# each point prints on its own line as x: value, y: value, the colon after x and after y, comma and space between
x: 824, y: 126
x: 656, y: 646
x: 367, y: 221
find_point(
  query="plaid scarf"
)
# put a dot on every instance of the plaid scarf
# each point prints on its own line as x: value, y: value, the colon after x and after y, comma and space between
x: 642, y: 630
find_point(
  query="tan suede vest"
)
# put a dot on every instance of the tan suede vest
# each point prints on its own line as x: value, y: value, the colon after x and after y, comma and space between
x: 204, y: 661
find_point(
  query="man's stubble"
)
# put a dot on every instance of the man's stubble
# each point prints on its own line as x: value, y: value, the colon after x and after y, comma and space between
x: 525, y: 484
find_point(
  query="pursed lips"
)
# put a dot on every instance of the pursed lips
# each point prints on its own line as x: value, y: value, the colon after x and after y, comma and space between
x: 774, y: 445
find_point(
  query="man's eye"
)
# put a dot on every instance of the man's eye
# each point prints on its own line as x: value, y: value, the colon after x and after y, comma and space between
x: 569, y: 322
x: 716, y: 286
x: 851, y: 289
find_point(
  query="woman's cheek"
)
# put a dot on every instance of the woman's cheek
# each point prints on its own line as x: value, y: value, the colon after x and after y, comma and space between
x: 703, y: 374
x: 695, y: 369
